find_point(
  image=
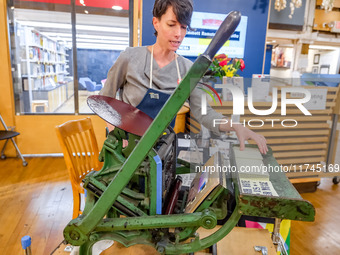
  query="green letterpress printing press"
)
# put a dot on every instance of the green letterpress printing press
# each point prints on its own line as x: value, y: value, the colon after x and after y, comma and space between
x: 134, y: 180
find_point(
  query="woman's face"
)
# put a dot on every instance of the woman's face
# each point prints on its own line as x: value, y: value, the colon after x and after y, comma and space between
x: 170, y: 31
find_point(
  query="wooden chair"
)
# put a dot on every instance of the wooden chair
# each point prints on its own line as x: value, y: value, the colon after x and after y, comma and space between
x: 80, y: 149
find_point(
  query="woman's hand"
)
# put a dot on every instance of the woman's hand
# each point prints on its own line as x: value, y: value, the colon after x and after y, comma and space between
x: 244, y: 134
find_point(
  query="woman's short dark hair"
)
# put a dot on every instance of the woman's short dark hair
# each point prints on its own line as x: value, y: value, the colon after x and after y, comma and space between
x: 182, y: 9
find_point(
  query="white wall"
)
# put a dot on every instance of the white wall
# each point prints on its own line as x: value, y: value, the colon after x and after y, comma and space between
x: 327, y: 57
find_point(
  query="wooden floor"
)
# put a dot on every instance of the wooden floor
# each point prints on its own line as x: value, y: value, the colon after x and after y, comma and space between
x: 321, y: 237
x: 37, y: 200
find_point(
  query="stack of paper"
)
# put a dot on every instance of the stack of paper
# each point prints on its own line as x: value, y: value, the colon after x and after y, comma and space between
x: 250, y: 164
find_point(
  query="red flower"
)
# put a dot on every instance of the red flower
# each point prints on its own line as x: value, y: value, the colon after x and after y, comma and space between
x: 242, y: 66
x: 224, y: 62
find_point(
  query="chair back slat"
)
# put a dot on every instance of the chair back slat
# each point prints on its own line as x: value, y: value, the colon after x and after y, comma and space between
x: 81, y: 158
x: 87, y: 150
x: 87, y: 142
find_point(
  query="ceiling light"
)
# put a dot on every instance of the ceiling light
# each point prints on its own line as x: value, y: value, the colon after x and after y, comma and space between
x: 103, y: 28
x: 120, y: 38
x: 86, y: 12
x: 83, y: 40
x: 117, y: 7
x: 78, y: 27
x: 100, y: 46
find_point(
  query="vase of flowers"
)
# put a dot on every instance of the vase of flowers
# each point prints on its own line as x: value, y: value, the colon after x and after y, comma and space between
x: 222, y: 66
x: 226, y: 69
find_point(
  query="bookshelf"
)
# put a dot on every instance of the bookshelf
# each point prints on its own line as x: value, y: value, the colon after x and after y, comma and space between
x: 44, y: 67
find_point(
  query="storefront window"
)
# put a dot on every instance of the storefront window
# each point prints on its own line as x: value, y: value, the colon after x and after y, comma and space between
x: 43, y: 61
x: 100, y: 39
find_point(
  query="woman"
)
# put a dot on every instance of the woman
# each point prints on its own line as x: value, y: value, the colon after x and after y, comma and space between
x: 141, y: 74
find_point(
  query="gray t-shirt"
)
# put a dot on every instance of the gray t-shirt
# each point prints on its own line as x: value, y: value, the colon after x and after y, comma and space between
x: 130, y: 74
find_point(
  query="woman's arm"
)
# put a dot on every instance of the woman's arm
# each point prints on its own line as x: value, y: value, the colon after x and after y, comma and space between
x: 207, y: 120
x: 243, y: 134
x: 116, y: 77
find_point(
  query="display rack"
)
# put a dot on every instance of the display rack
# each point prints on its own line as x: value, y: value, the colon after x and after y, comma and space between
x: 43, y: 69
